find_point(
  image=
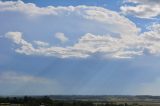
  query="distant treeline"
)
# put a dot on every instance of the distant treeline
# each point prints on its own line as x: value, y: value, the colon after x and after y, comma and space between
x: 46, y: 101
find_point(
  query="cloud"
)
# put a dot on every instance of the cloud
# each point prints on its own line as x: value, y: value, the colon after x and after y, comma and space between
x: 60, y: 36
x: 152, y: 39
x: 143, y: 8
x: 108, y: 46
x: 16, y: 37
x: 28, y: 49
x: 13, y: 78
x: 70, y: 18
x: 97, y: 31
x: 86, y: 22
x: 29, y: 8
x: 40, y: 43
x: 15, y: 83
x: 89, y: 45
x: 143, y: 1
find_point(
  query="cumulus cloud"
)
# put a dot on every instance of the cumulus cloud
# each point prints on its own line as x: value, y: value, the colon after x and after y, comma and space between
x: 143, y: 8
x: 16, y: 37
x: 91, y: 15
x: 152, y: 39
x: 120, y: 38
x: 89, y: 44
x: 143, y: 1
x: 60, y: 36
x: 29, y: 8
x: 40, y: 43
x: 109, y: 46
x: 28, y: 49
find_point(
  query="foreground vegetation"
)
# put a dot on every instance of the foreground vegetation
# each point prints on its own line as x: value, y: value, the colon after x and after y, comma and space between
x: 47, y: 101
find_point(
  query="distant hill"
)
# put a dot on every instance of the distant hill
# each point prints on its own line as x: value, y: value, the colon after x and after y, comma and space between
x: 106, y: 97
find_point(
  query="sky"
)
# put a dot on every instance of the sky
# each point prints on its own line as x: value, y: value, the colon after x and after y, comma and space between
x: 80, y: 47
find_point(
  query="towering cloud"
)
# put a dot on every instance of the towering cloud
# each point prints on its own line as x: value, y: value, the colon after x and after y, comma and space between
x: 118, y: 37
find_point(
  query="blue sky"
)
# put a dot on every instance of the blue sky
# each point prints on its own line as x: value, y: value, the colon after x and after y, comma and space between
x: 79, y: 47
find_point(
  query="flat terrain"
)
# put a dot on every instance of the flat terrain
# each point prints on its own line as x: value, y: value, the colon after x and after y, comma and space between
x: 80, y: 100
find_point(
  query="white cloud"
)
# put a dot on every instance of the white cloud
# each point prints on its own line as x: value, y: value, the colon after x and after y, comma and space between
x: 152, y: 39
x: 123, y: 47
x: 143, y: 8
x: 60, y: 36
x: 13, y: 77
x: 29, y: 8
x: 110, y: 18
x: 144, y: 1
x: 40, y: 43
x: 16, y: 37
x: 28, y: 49
x: 120, y: 37
x: 89, y: 45
x: 91, y: 15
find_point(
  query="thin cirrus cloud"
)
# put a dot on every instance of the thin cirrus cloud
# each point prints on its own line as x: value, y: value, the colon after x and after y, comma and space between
x: 143, y: 8
x: 15, y: 78
x: 122, y: 38
x: 16, y: 83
